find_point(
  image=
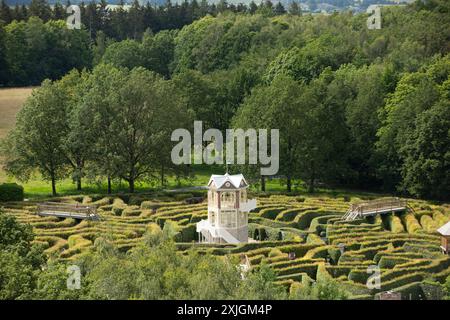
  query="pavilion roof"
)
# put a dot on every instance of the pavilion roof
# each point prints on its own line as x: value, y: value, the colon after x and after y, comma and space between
x: 236, y: 180
x: 445, y: 229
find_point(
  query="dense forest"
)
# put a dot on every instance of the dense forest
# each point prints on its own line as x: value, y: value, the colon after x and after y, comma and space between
x: 355, y: 107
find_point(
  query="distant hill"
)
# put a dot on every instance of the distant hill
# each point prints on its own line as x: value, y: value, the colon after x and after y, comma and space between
x: 26, y: 2
x: 327, y: 5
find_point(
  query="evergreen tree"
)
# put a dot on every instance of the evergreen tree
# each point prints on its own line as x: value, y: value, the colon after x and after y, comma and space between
x: 279, y: 9
x: 5, y: 13
x: 294, y: 8
x: 41, y: 9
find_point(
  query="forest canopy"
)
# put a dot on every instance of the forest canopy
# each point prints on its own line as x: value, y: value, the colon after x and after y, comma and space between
x: 355, y: 107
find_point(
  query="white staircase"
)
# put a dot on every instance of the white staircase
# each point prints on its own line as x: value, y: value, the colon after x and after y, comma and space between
x: 228, y: 237
x: 350, y: 215
x: 205, y: 227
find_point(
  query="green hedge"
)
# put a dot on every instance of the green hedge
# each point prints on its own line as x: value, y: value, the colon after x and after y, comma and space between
x: 309, y: 269
x: 304, y: 219
x: 389, y: 262
x: 270, y: 213
x: 11, y: 192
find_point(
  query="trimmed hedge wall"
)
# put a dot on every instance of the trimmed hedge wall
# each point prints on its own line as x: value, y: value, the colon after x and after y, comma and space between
x: 11, y: 192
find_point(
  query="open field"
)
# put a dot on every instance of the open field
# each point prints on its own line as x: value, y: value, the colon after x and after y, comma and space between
x: 405, y: 246
x: 11, y: 100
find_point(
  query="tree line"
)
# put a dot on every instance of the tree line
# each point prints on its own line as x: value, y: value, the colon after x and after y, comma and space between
x: 32, y: 50
x: 355, y: 107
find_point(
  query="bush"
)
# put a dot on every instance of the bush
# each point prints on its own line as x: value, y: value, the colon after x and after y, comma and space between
x: 411, y: 223
x: 395, y: 224
x: 275, y: 252
x: 150, y: 205
x: 182, y: 196
x: 11, y: 192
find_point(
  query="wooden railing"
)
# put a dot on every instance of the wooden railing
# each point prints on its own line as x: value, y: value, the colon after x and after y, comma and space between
x: 71, y: 210
x: 378, y: 205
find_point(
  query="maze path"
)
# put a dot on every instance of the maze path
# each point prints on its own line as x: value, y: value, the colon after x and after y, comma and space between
x: 405, y: 247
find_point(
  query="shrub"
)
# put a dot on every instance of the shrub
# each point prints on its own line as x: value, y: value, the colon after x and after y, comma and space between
x: 189, y: 233
x: 182, y: 196
x: 130, y: 212
x: 334, y: 254
x: 387, y: 262
x: 103, y: 202
x: 275, y: 252
x: 395, y: 224
x: 411, y: 223
x: 11, y: 192
x: 314, y: 239
x: 270, y: 213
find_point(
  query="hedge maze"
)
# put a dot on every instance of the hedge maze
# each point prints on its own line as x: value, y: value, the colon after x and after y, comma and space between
x: 302, y: 238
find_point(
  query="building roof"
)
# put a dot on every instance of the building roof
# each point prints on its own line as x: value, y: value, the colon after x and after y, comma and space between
x: 236, y: 180
x: 445, y: 229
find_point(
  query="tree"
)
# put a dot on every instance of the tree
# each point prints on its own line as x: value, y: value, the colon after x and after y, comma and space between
x: 5, y: 13
x: 126, y: 53
x: 79, y: 142
x: 135, y: 113
x: 361, y: 92
x: 279, y: 9
x: 40, y: 9
x: 14, y: 236
x: 3, y: 66
x: 252, y: 7
x: 259, y: 285
x: 17, y: 278
x: 37, y: 140
x: 158, y: 52
x: 426, y: 170
x: 59, y: 12
x: 294, y: 8
x: 276, y: 107
x: 35, y: 50
x: 20, y: 260
x: 415, y: 94
x: 51, y: 284
x: 307, y: 63
x: 323, y: 289
x: 98, y: 99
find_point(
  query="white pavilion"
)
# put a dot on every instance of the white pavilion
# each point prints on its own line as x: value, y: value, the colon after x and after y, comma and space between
x: 228, y: 209
x: 444, y: 231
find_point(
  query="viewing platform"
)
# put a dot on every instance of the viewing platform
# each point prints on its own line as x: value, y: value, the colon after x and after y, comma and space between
x: 374, y: 207
x: 66, y: 210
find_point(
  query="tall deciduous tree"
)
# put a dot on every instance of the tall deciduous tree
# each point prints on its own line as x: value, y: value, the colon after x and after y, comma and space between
x: 36, y: 143
x: 415, y: 93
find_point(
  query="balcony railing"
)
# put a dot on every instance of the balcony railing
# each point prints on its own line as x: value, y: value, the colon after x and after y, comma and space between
x: 248, y: 206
